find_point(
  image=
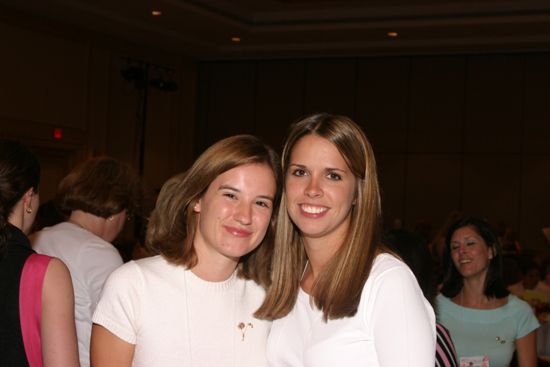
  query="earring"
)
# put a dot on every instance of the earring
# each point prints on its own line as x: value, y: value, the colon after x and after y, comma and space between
x: 110, y: 218
x: 29, y: 210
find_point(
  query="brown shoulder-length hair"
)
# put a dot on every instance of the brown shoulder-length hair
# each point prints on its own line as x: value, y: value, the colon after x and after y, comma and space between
x: 337, y: 290
x: 173, y: 223
x: 101, y: 186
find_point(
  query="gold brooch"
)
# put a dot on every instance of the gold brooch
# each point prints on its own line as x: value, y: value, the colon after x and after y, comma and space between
x: 242, y: 327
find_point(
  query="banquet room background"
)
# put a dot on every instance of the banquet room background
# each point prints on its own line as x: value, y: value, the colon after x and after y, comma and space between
x: 454, y: 128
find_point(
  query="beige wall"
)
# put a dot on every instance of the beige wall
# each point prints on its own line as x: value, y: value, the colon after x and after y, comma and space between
x: 468, y: 133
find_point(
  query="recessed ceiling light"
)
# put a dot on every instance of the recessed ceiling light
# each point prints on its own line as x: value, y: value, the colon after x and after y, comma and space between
x: 156, y: 13
x: 393, y: 34
x: 235, y: 39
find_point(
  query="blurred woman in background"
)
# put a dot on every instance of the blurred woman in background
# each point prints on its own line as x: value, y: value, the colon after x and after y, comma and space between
x: 36, y: 296
x: 486, y: 323
x: 98, y: 195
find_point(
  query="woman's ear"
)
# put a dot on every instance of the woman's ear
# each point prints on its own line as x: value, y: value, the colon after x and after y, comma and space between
x: 197, y: 206
x: 491, y: 252
x: 27, y: 200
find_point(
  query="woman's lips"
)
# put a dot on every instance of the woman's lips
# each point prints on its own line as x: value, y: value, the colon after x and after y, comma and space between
x: 313, y: 211
x: 237, y: 232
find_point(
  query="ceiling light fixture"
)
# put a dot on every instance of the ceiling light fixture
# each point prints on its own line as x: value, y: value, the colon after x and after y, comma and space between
x: 235, y: 39
x: 393, y: 34
x: 156, y: 13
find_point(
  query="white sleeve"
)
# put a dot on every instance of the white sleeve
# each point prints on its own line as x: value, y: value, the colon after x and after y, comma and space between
x: 118, y: 309
x: 403, y: 322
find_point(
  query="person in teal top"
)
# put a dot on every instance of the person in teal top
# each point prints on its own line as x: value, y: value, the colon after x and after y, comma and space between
x: 486, y: 323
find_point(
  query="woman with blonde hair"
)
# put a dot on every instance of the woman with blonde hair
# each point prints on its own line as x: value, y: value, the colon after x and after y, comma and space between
x: 36, y: 296
x: 193, y: 304
x: 337, y: 298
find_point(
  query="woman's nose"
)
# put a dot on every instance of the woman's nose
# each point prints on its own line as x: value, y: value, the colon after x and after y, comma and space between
x: 243, y: 213
x: 313, y: 189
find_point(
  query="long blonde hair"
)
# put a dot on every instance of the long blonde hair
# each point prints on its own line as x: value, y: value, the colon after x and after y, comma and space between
x: 173, y: 223
x: 337, y: 290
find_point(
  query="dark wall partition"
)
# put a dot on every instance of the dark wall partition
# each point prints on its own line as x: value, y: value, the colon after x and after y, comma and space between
x: 468, y: 133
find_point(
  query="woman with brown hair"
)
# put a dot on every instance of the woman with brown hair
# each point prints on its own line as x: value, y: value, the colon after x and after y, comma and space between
x: 193, y: 304
x: 337, y: 298
x: 487, y: 323
x: 98, y: 194
x: 36, y: 296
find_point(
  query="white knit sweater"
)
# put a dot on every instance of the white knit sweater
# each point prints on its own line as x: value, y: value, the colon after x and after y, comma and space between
x: 175, y: 318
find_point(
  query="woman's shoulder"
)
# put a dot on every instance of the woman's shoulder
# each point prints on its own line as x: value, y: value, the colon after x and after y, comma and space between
x: 386, y: 262
x: 517, y: 305
x: 389, y: 270
x: 143, y: 266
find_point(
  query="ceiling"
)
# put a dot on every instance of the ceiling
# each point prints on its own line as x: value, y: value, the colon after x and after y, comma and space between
x: 300, y: 28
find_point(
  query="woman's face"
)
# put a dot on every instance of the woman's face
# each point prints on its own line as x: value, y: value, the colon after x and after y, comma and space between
x: 320, y: 190
x: 471, y: 255
x: 235, y: 211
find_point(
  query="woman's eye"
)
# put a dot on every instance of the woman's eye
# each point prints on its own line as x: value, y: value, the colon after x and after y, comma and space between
x: 229, y: 195
x: 334, y: 176
x: 454, y: 246
x: 263, y: 204
x: 298, y: 172
x: 471, y: 243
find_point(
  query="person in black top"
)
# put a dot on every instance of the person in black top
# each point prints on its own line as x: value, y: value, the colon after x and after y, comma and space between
x: 48, y: 337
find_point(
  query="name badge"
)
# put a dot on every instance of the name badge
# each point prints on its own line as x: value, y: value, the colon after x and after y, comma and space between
x: 475, y: 361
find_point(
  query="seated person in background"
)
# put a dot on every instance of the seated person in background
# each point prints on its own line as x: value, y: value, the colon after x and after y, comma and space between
x: 415, y: 253
x: 487, y: 324
x: 99, y: 194
x: 531, y: 288
x: 546, y: 273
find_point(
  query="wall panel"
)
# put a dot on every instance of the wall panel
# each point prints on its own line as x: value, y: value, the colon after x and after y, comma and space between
x: 383, y: 102
x: 536, y: 136
x: 231, y: 103
x: 534, y: 213
x: 279, y: 99
x: 392, y: 178
x: 432, y: 189
x: 491, y: 187
x: 44, y: 78
x: 494, y: 103
x: 437, y: 104
x: 330, y: 86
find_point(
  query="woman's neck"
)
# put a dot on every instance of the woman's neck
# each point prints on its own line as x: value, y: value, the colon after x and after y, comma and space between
x: 213, y: 266
x: 213, y: 272
x: 90, y: 222
x: 319, y: 252
x: 472, y: 295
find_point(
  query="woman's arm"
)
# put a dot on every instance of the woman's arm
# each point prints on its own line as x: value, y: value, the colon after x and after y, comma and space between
x: 526, y: 348
x: 58, y: 332
x: 108, y: 350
